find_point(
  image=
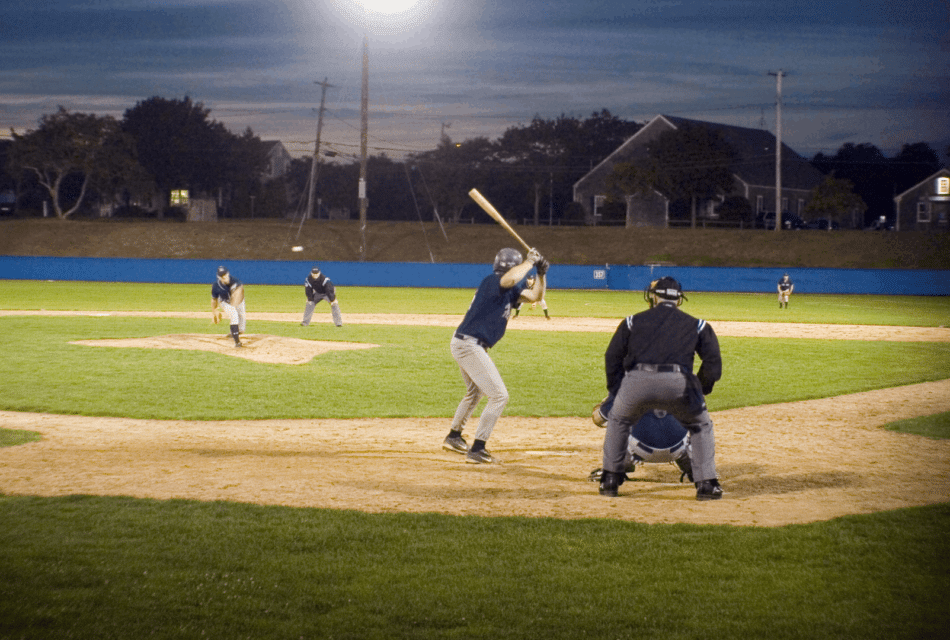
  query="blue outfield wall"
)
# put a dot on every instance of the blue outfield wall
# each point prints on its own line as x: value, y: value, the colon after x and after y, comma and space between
x: 419, y: 274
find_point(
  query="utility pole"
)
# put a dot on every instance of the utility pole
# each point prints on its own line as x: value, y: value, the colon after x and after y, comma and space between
x: 778, y: 148
x: 316, y: 150
x: 364, y: 134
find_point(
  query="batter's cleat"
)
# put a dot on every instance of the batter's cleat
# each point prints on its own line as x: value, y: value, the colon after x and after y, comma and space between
x: 480, y: 457
x: 456, y: 444
x: 708, y: 490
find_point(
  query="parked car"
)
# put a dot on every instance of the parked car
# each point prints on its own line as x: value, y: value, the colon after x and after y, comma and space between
x: 789, y: 221
x: 881, y: 224
x: 7, y: 201
x: 823, y: 224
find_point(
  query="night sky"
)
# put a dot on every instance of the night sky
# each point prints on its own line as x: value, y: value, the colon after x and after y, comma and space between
x: 872, y: 71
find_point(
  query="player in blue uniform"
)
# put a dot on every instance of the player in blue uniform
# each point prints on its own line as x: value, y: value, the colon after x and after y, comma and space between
x: 785, y: 289
x: 656, y: 437
x: 318, y: 287
x: 227, y: 295
x: 482, y: 327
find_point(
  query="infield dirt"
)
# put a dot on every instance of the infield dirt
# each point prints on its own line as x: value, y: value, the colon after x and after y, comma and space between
x: 780, y: 464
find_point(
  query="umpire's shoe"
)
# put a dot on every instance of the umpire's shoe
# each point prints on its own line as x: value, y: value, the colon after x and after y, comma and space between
x: 455, y: 443
x: 610, y: 481
x: 708, y: 490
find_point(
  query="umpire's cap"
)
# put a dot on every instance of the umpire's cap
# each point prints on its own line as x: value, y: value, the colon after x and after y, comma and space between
x: 315, y: 271
x: 666, y: 288
x: 222, y: 271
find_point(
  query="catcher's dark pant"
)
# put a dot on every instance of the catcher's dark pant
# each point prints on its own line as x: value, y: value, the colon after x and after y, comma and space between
x: 643, y: 391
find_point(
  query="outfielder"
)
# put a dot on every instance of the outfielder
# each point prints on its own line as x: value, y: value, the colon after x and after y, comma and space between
x: 656, y: 437
x: 227, y: 297
x: 649, y: 365
x: 544, y: 305
x: 318, y: 287
x: 482, y: 327
x: 785, y: 288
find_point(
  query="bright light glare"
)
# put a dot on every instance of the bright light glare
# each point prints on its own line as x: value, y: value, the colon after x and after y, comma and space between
x: 389, y: 6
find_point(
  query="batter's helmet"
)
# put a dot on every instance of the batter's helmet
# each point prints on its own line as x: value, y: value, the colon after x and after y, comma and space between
x: 506, y: 259
x: 666, y: 288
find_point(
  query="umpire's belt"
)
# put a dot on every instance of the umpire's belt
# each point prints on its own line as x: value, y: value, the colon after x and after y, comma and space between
x: 660, y: 368
x: 481, y: 343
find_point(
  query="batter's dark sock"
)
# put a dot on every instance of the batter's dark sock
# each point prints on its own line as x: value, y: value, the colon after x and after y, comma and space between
x: 478, y: 445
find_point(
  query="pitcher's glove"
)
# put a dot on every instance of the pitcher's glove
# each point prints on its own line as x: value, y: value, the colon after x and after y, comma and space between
x: 216, y: 315
x: 542, y: 266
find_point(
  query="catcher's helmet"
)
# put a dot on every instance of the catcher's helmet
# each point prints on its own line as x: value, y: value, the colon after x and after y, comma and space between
x: 506, y: 259
x: 666, y: 288
x: 222, y: 271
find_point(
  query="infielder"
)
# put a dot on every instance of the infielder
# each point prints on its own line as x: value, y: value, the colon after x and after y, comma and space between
x: 482, y: 327
x: 657, y: 437
x: 318, y: 287
x: 649, y: 365
x: 785, y: 288
x: 544, y: 305
x: 227, y: 297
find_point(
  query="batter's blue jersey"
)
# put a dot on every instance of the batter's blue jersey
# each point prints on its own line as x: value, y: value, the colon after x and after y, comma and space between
x: 487, y: 316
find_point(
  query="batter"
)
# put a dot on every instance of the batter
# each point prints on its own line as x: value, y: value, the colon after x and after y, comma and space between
x: 482, y: 327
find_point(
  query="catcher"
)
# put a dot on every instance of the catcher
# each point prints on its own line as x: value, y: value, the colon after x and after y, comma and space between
x: 656, y: 437
x: 227, y: 297
x: 785, y: 288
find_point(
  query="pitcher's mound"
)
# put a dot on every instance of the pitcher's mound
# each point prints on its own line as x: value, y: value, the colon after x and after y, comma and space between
x: 259, y: 348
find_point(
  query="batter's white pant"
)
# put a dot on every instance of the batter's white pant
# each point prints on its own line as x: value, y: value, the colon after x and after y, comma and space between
x: 482, y: 380
x: 236, y: 314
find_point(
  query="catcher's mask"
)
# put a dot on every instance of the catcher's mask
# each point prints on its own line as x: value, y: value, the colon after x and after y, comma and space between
x: 506, y: 259
x: 665, y: 289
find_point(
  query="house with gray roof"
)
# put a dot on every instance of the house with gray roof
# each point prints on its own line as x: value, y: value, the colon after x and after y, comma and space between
x: 925, y: 206
x: 753, y: 169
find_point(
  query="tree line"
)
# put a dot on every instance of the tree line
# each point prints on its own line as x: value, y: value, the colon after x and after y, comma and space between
x: 73, y: 161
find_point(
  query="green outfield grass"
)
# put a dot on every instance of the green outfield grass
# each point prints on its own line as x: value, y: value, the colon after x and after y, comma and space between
x: 90, y: 567
x: 922, y: 311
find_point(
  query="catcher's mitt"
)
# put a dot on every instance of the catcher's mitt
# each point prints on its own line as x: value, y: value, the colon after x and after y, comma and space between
x: 216, y: 315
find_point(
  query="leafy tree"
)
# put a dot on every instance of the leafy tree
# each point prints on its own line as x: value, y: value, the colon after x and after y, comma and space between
x: 690, y: 163
x: 737, y: 209
x: 85, y: 147
x: 834, y: 198
x: 866, y: 167
x: 180, y: 146
x: 914, y: 162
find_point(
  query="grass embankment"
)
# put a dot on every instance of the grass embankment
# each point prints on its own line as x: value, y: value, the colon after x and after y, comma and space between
x: 474, y: 243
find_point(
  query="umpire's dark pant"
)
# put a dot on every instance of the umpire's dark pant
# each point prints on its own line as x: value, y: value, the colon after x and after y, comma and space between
x: 643, y: 391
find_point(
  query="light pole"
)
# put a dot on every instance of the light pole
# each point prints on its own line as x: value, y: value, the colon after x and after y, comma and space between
x: 372, y: 12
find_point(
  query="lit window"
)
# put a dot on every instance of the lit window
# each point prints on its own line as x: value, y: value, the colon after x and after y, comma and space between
x: 943, y: 186
x: 179, y: 197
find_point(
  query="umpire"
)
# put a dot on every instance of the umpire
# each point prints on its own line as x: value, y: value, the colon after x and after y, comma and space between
x: 649, y: 364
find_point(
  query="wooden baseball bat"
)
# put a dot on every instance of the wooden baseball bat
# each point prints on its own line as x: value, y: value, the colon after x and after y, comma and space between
x: 493, y: 212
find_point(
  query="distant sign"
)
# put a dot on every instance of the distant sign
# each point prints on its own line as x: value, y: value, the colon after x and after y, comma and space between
x: 600, y: 274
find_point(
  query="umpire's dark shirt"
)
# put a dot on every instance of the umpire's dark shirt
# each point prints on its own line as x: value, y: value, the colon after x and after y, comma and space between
x: 663, y: 335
